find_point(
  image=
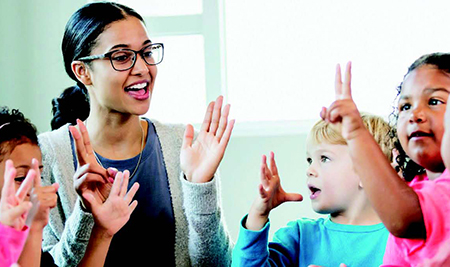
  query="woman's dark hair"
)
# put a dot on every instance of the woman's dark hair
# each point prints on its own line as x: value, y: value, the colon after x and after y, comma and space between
x: 80, y: 37
x: 440, y: 61
x: 15, y: 130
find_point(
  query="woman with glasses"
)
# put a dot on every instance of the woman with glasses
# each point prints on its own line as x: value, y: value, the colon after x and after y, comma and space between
x: 178, y: 219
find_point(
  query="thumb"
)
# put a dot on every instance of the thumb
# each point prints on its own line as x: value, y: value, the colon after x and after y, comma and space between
x: 293, y: 197
x: 91, y: 200
x: 188, y: 136
x: 342, y: 265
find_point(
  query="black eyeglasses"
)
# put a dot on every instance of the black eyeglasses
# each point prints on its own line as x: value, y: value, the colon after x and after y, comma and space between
x: 124, y: 59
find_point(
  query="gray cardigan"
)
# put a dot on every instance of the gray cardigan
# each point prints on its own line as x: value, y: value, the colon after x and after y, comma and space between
x: 201, y: 237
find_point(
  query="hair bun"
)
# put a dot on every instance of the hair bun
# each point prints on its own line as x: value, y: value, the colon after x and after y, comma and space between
x: 71, y: 105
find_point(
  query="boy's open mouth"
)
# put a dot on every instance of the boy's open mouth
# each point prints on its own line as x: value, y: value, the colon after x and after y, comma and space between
x: 314, y: 191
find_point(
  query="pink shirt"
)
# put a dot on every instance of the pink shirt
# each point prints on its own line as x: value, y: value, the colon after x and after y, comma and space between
x: 434, y: 197
x: 11, y: 244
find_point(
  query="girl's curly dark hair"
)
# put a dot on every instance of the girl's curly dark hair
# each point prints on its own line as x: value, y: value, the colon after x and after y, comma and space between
x: 15, y: 129
x: 409, y: 168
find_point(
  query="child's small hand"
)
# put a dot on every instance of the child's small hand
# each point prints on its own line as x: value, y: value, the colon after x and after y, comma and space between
x: 43, y: 199
x: 13, y: 207
x: 114, y: 213
x: 271, y: 195
x: 343, y: 111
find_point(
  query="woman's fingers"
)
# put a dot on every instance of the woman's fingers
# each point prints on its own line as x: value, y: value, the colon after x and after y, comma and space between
x: 226, y: 136
x: 223, y: 122
x: 124, y: 187
x: 131, y: 193
x: 216, y: 115
x: 188, y: 136
x: 208, y: 116
x: 81, y: 150
x: 86, y: 139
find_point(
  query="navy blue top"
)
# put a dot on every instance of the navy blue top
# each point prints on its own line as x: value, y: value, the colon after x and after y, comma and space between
x: 149, y: 235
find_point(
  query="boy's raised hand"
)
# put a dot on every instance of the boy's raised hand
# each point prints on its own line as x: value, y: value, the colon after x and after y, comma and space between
x: 271, y: 195
x: 13, y: 207
x: 343, y: 111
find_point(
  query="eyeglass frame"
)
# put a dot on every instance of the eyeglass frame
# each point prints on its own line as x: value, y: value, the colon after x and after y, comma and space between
x: 140, y: 52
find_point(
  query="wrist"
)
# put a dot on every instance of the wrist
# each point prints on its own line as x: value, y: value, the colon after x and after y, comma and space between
x: 256, y: 221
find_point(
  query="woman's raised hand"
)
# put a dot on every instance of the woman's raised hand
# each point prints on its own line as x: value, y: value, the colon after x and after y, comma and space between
x: 271, y: 195
x: 343, y: 111
x: 13, y: 207
x: 199, y: 160
x: 115, y: 212
x: 90, y: 176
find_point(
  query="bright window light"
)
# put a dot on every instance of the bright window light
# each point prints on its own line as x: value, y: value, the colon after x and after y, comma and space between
x: 281, y: 61
x: 158, y: 8
x: 179, y: 93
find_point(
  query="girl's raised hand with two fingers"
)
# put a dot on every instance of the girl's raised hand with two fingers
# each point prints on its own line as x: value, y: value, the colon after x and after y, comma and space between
x: 343, y: 111
x: 199, y: 160
x: 271, y: 195
x: 13, y: 207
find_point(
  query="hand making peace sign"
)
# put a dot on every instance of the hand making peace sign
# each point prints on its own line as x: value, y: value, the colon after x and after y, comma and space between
x: 343, y: 112
x: 13, y: 207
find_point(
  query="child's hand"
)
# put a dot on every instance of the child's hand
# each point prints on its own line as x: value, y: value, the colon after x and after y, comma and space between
x: 43, y: 199
x: 199, y: 161
x: 271, y: 195
x: 13, y: 207
x: 114, y: 213
x: 91, y: 176
x: 343, y: 111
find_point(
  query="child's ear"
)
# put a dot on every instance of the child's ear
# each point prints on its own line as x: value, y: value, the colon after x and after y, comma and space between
x: 81, y: 71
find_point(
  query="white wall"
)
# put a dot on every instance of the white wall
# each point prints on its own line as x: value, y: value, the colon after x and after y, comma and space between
x: 32, y: 73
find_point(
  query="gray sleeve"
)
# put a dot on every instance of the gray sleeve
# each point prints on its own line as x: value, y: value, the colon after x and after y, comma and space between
x: 67, y: 233
x: 209, y: 241
x: 67, y: 248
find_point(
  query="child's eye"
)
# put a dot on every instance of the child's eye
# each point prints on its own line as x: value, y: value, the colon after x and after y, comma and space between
x: 434, y: 102
x: 404, y: 107
x: 309, y: 160
x: 19, y: 179
x: 324, y: 158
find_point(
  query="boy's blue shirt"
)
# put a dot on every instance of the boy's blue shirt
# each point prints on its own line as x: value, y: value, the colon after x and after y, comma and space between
x: 308, y: 241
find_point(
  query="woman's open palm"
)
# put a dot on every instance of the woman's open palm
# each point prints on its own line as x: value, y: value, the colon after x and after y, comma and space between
x: 200, y: 159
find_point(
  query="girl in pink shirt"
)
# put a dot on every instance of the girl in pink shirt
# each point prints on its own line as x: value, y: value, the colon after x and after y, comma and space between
x: 416, y: 213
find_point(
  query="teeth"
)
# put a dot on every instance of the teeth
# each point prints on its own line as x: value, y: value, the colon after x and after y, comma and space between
x: 138, y: 86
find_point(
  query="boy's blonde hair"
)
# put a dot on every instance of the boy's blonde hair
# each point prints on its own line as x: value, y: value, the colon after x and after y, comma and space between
x: 377, y: 126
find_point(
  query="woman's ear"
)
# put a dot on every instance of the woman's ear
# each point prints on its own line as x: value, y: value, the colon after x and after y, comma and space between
x: 81, y: 71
